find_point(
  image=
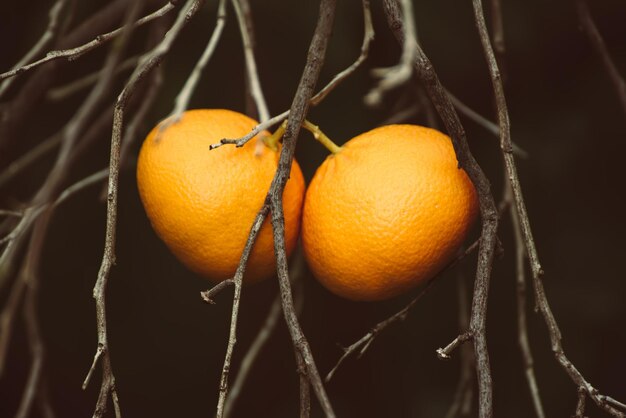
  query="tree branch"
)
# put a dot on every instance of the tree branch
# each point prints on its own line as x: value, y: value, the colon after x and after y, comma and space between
x: 488, y: 210
x: 599, y: 46
x: 271, y: 321
x: 74, y: 53
x: 147, y: 64
x: 47, y: 37
x: 368, y: 37
x: 364, y: 342
x: 297, y: 114
x: 251, y: 70
x: 537, y: 271
x: 401, y: 73
x: 462, y: 400
x: 183, y: 97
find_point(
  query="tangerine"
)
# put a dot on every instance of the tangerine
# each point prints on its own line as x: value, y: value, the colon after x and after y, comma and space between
x: 202, y: 202
x: 386, y: 212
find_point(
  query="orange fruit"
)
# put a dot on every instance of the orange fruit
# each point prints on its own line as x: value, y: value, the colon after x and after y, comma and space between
x: 202, y: 202
x: 387, y: 212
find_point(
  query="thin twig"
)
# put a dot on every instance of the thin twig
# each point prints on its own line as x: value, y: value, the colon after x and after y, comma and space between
x: 183, y: 97
x: 522, y: 327
x: 364, y: 342
x: 484, y: 122
x: 7, y: 318
x: 61, y: 92
x: 43, y: 42
x: 489, y: 214
x: 237, y: 281
x: 305, y: 388
x: 497, y: 35
x: 270, y: 323
x: 251, y: 355
x: 18, y: 111
x: 251, y: 70
x: 147, y: 64
x: 74, y: 53
x: 399, y: 74
x: 240, y: 142
x: 298, y: 110
x: 599, y: 46
x: 580, y: 405
x: 29, y: 157
x: 35, y: 341
x: 368, y: 37
x: 318, y: 98
x: 273, y: 201
x: 461, y: 402
x: 537, y: 271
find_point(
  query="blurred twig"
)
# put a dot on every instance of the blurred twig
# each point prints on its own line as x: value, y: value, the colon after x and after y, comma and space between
x: 146, y: 65
x: 43, y: 42
x: 599, y: 46
x: 364, y: 342
x: 395, y: 76
x: 524, y: 223
x: 489, y: 214
x: 74, y: 53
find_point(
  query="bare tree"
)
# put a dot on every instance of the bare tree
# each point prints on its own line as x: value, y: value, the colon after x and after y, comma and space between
x: 140, y: 38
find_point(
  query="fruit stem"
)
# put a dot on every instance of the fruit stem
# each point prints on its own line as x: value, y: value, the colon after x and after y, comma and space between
x: 321, y: 137
x: 272, y: 140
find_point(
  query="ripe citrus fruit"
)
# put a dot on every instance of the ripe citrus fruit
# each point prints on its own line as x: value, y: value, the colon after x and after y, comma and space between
x: 386, y: 212
x: 202, y: 202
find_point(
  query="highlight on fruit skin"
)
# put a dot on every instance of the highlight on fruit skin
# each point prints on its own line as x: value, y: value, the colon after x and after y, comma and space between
x: 202, y: 202
x: 386, y: 212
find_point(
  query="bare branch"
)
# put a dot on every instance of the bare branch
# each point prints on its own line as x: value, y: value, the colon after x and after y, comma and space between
x: 497, y: 35
x: 7, y: 318
x: 444, y: 353
x: 321, y: 95
x: 74, y: 53
x: 580, y: 405
x: 251, y: 69
x: 299, y: 107
x: 35, y: 342
x: 488, y: 210
x: 271, y: 321
x: 520, y: 266
x: 368, y: 37
x: 363, y: 344
x: 147, y: 64
x: 298, y: 111
x: 183, y: 97
x: 484, y: 122
x: 29, y: 157
x: 43, y: 42
x: 599, y: 46
x: 240, y: 142
x: 246, y: 365
x: 64, y: 91
x: 462, y: 400
x: 18, y: 111
x: 537, y: 271
x: 401, y: 73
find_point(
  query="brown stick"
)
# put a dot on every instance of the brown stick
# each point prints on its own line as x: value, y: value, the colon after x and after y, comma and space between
x: 150, y: 61
x: 297, y: 114
x: 599, y: 46
x: 488, y: 210
x: 537, y: 271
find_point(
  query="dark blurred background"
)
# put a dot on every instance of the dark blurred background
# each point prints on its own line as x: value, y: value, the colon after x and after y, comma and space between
x: 167, y: 346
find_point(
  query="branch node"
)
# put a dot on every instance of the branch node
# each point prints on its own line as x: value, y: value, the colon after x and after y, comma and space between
x: 208, y: 295
x: 445, y: 353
